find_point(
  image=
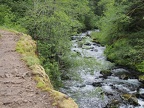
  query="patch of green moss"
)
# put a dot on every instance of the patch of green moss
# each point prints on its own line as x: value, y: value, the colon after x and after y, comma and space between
x: 40, y: 85
x: 140, y: 66
x: 31, y: 60
x: 27, y: 47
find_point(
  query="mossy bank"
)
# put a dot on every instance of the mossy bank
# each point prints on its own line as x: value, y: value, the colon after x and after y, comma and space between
x: 27, y: 47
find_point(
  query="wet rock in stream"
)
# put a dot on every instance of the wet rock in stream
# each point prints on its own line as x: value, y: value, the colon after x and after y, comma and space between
x: 113, y: 104
x: 132, y: 99
x: 106, y: 73
x: 141, y: 78
x: 65, y: 77
x: 80, y: 85
x: 97, y: 84
x: 88, y: 44
x: 73, y: 38
x: 124, y: 74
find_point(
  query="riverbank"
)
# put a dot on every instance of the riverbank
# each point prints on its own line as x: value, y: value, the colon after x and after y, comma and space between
x: 18, y: 88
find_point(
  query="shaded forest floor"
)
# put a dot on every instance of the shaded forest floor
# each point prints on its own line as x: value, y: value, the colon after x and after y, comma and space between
x: 17, y: 88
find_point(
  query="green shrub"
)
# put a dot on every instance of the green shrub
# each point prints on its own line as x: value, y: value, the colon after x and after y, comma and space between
x: 140, y: 66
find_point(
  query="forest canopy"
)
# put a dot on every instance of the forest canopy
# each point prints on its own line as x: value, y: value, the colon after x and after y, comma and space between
x: 52, y: 22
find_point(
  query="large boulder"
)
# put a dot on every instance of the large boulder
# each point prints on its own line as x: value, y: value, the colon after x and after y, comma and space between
x: 130, y: 98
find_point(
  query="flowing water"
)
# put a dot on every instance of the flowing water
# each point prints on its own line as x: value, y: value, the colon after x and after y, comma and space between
x: 94, y: 82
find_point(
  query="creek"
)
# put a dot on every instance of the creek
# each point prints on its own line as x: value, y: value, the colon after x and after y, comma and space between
x: 94, y: 82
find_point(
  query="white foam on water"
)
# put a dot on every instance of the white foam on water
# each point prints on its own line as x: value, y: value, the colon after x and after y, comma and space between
x: 141, y: 91
x: 88, y: 88
x: 107, y: 89
x: 141, y: 103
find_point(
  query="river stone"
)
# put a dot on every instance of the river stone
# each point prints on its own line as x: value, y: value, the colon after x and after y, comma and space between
x: 88, y: 44
x: 96, y: 50
x: 94, y: 44
x: 134, y: 101
x: 126, y: 96
x: 113, y: 104
x: 80, y: 86
x: 73, y: 38
x: 130, y: 98
x: 97, y: 84
x: 124, y: 76
x: 115, y: 101
x: 106, y: 72
x: 141, y: 78
x: 96, y: 41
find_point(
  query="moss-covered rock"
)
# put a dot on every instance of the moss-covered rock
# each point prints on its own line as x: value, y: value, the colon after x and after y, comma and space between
x: 130, y: 98
x: 106, y: 72
x: 113, y: 104
x: 126, y: 96
x: 141, y: 78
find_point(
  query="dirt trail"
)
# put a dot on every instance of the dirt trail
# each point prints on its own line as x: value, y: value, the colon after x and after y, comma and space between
x: 17, y: 88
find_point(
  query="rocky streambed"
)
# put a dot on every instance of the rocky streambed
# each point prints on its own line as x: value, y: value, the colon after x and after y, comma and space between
x: 95, y: 82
